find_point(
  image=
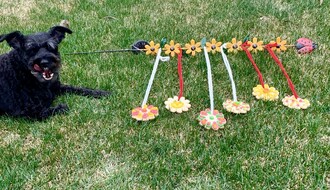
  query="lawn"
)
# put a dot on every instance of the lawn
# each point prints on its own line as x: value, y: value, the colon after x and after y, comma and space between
x: 98, y: 145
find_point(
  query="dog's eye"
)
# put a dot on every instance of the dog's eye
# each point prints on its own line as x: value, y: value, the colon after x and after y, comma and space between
x: 31, y: 46
x: 51, y: 45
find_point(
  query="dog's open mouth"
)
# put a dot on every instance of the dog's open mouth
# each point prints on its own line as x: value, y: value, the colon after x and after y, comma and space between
x: 47, y: 74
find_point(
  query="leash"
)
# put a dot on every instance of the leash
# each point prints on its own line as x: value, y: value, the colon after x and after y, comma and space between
x: 136, y: 48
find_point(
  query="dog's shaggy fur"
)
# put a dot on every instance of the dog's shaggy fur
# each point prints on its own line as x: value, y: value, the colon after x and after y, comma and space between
x: 29, y: 75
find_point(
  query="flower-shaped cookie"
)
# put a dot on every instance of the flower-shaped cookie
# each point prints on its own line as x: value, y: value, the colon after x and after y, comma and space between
x: 213, y: 46
x: 280, y: 45
x: 177, y: 105
x: 255, y: 45
x: 234, y: 46
x: 172, y: 48
x: 236, y: 107
x: 193, y: 47
x: 296, y: 103
x: 209, y: 119
x: 152, y: 49
x: 145, y: 113
x: 266, y: 93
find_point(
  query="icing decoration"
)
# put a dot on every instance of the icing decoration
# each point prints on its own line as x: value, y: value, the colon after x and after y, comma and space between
x: 193, y: 47
x: 211, y: 119
x: 234, y: 46
x: 305, y: 45
x: 213, y: 46
x: 296, y: 103
x: 233, y: 106
x: 145, y: 113
x: 236, y: 106
x: 265, y: 92
x: 178, y: 104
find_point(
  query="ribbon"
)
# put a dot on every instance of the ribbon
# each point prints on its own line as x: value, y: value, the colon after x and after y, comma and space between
x: 209, y: 78
x: 244, y: 47
x: 180, y: 74
x: 230, y: 73
x: 268, y: 47
x: 152, y: 77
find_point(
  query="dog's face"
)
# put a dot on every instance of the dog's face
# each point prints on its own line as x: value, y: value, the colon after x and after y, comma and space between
x: 39, y: 51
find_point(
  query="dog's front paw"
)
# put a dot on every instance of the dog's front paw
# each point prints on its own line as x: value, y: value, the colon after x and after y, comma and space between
x: 61, y: 108
x: 84, y: 91
x: 100, y: 93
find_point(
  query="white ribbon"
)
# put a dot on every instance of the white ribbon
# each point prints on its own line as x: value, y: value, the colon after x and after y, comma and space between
x: 152, y: 77
x: 209, y: 77
x: 230, y: 73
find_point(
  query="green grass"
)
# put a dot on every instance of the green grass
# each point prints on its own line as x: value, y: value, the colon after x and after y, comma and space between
x: 97, y: 145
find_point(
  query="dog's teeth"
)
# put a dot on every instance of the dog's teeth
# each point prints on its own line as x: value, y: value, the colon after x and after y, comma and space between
x: 48, y: 78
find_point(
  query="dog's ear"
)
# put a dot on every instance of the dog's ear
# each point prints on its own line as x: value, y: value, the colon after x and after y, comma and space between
x: 58, y: 32
x: 14, y: 39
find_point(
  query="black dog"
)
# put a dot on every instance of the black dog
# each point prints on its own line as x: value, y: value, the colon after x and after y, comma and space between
x: 29, y: 75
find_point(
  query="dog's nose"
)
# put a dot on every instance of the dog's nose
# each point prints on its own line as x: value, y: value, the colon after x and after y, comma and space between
x: 44, y: 62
